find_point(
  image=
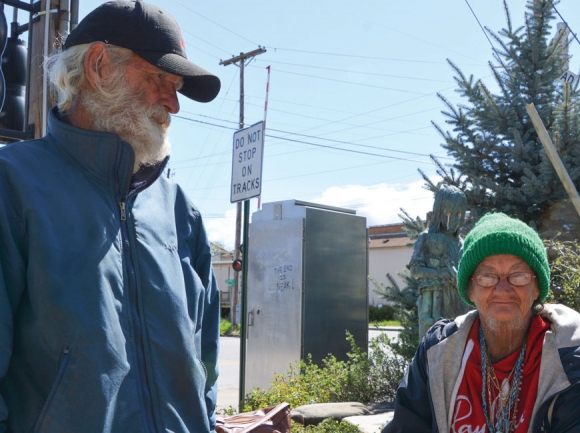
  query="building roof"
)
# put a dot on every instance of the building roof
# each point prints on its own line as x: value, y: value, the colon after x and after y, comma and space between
x: 390, y: 229
x: 390, y: 242
x: 389, y: 236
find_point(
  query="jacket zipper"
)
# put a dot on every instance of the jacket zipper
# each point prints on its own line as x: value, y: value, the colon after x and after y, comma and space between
x: 60, y: 373
x: 204, y: 367
x: 133, y: 306
x: 123, y: 212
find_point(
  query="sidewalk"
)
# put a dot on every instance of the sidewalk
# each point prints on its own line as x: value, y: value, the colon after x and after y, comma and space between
x: 227, y: 397
x: 371, y: 423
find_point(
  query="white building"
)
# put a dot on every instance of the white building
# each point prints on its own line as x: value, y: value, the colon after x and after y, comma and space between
x: 390, y: 249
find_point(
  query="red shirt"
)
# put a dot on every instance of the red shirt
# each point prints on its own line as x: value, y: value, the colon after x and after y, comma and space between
x: 468, y: 415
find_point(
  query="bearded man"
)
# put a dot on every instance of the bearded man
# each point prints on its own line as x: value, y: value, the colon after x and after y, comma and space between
x: 109, y: 309
x: 512, y: 365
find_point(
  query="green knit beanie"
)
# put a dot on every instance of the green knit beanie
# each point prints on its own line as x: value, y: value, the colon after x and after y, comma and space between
x: 497, y: 233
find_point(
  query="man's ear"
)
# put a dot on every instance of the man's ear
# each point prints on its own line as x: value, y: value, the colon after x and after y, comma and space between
x: 97, y: 56
x: 469, y: 290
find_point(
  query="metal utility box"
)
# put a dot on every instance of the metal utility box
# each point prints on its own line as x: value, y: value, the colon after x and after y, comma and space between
x: 307, y: 286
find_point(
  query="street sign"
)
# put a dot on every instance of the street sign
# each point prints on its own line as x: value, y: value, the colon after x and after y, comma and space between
x: 230, y: 282
x: 568, y: 77
x: 247, y: 156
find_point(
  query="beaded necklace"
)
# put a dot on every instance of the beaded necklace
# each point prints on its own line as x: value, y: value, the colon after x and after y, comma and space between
x: 508, y: 398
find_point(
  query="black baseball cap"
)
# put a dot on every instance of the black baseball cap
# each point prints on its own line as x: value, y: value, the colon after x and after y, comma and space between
x: 152, y: 34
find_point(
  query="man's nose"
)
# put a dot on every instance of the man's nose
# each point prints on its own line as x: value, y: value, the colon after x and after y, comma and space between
x: 503, y: 284
x: 169, y: 98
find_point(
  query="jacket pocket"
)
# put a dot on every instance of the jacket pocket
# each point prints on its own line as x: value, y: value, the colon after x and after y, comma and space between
x: 62, y: 364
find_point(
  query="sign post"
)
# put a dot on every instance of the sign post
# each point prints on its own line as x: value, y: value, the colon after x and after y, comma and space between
x: 247, y: 157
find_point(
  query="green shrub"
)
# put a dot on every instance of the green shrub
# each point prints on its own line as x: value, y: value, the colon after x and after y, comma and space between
x: 303, y: 383
x: 329, y: 425
x: 364, y: 378
x: 226, y: 328
x: 383, y: 314
x: 565, y: 273
x: 408, y: 339
x: 405, y: 311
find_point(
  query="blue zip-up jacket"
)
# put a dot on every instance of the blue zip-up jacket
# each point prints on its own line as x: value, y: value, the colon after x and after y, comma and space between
x: 426, y: 395
x: 109, y: 309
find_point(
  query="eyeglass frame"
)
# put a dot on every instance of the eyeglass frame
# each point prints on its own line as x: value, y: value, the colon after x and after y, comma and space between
x: 532, y: 276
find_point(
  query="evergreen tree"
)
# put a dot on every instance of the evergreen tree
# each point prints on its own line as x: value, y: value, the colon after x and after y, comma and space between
x: 500, y: 163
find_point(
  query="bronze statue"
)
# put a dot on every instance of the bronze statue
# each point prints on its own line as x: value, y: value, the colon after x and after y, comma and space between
x: 435, y: 256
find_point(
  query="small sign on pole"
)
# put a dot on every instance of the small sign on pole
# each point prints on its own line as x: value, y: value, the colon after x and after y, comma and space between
x: 568, y: 77
x: 247, y: 157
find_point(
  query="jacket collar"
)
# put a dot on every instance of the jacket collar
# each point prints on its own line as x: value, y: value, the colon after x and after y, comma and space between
x: 102, y: 155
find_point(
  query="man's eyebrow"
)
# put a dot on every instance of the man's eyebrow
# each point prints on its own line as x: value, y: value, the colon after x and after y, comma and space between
x: 484, y: 268
x: 488, y: 268
x: 522, y: 265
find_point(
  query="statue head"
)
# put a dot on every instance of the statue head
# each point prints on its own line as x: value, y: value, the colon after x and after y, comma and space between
x: 448, y: 210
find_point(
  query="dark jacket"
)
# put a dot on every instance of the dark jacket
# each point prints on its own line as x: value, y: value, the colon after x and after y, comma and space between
x: 109, y: 310
x: 425, y: 395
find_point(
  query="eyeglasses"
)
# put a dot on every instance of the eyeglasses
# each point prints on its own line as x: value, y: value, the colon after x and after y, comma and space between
x: 516, y: 279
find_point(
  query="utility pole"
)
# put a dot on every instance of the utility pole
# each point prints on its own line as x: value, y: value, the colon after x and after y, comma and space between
x: 241, y: 59
x: 43, y: 32
x: 53, y: 22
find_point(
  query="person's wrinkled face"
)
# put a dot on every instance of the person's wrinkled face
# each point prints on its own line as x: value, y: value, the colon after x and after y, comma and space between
x: 135, y: 102
x: 503, y: 288
x: 159, y: 87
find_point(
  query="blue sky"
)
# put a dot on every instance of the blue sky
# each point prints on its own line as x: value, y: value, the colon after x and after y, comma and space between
x: 353, y: 92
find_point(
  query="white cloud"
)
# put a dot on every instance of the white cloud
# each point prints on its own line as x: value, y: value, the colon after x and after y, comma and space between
x: 222, y: 230
x: 380, y: 203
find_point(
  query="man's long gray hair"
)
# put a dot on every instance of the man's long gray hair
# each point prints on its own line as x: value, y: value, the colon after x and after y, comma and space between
x: 115, y: 105
x: 67, y: 74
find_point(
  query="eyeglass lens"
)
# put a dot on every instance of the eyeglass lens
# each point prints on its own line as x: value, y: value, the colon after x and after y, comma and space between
x: 516, y: 279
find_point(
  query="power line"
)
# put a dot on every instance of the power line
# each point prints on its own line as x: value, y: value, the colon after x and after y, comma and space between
x: 294, y: 176
x: 314, y: 144
x: 355, y: 56
x: 348, y: 150
x: 349, y: 82
x: 374, y: 111
x: 480, y: 26
x: 350, y: 71
x: 365, y: 126
x: 353, y: 143
x: 310, y: 136
x: 215, y: 23
x: 562, y: 18
x: 203, y: 40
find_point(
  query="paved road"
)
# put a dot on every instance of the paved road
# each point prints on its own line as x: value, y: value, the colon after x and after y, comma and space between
x: 229, y: 365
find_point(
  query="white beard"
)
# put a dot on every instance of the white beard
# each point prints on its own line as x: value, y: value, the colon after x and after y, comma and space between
x: 122, y: 109
x: 516, y: 324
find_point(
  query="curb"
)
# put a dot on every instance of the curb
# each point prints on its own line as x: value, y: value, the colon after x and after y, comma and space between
x: 373, y: 328
x: 386, y: 328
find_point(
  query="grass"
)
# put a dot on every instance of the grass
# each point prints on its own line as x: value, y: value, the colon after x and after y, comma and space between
x: 226, y: 328
x: 384, y: 323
